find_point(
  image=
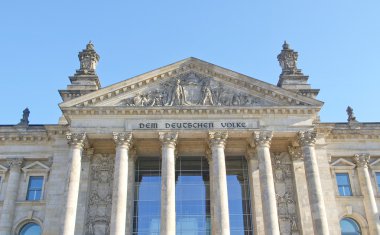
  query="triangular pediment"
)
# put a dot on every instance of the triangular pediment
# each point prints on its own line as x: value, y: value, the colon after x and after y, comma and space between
x: 191, y: 82
x: 342, y: 163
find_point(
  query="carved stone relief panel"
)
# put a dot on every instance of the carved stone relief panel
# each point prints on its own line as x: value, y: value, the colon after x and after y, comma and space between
x: 286, y: 200
x: 191, y: 89
x: 100, y: 196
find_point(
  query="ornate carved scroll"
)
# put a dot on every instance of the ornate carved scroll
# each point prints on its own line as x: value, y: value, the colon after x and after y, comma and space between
x: 100, y: 196
x: 284, y: 186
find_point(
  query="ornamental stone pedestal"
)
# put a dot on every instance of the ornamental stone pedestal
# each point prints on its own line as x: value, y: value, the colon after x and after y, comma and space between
x: 370, y: 206
x: 76, y: 141
x: 120, y: 183
x: 217, y: 142
x: 168, y: 216
x: 307, y: 141
x: 8, y: 209
x: 262, y: 141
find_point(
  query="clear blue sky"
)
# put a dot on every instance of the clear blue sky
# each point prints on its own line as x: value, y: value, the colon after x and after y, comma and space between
x: 338, y: 44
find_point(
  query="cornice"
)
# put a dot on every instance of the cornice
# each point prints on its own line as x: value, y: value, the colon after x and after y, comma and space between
x: 43, y: 134
x: 193, y: 110
x: 342, y: 131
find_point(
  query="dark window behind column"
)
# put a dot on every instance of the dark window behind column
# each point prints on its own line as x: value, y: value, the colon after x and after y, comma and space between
x: 147, y: 196
x: 192, y: 196
x: 238, y: 196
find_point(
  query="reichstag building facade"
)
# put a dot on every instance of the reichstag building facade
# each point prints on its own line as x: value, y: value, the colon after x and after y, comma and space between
x: 190, y: 149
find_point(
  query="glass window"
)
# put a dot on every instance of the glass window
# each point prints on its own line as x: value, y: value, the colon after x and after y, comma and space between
x: 30, y: 229
x: 35, y: 188
x: 378, y: 181
x: 147, y: 196
x: 343, y: 182
x: 192, y: 196
x: 238, y: 196
x: 349, y: 227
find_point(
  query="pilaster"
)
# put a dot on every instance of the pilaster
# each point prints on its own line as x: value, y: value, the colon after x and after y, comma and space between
x: 370, y: 206
x: 9, y: 204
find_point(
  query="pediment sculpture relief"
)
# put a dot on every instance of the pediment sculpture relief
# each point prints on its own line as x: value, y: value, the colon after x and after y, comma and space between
x: 191, y: 90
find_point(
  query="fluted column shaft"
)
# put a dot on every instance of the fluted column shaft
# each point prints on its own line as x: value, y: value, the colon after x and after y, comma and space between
x: 131, y: 190
x: 75, y: 141
x: 211, y: 190
x: 317, y: 205
x: 120, y: 183
x: 8, y: 210
x: 255, y: 191
x: 217, y: 142
x: 370, y: 206
x: 262, y: 142
x: 168, y: 215
x: 301, y: 190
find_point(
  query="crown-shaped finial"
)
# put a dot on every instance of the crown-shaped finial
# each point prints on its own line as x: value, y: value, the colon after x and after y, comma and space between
x: 88, y: 60
x: 288, y: 60
x: 285, y: 46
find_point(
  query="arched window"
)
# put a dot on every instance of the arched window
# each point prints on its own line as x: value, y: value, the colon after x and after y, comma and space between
x: 350, y: 227
x: 30, y: 229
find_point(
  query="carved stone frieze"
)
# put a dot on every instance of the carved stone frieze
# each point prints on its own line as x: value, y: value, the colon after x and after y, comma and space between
x: 191, y: 89
x: 362, y: 159
x: 284, y: 187
x: 100, y: 196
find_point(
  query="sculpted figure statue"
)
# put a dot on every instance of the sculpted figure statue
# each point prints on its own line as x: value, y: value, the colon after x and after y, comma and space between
x: 178, y: 95
x: 207, y: 94
x: 25, y: 117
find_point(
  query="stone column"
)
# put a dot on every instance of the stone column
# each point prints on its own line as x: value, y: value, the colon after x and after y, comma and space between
x: 217, y: 142
x: 123, y: 141
x: 262, y: 141
x: 9, y: 204
x: 168, y: 216
x: 301, y: 190
x: 318, y: 211
x: 370, y: 206
x: 211, y: 191
x: 76, y: 141
x: 255, y: 191
x: 131, y: 190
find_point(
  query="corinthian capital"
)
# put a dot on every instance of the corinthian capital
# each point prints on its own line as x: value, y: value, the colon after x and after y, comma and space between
x: 306, y: 138
x: 168, y: 138
x: 262, y: 138
x: 362, y: 159
x: 122, y: 139
x: 295, y: 153
x: 14, y: 163
x: 217, y: 138
x: 76, y: 139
